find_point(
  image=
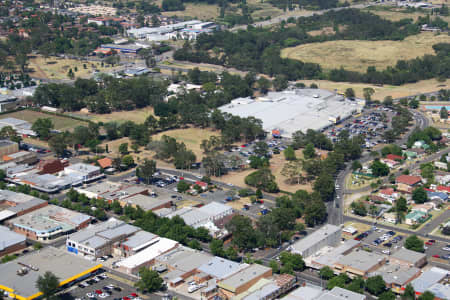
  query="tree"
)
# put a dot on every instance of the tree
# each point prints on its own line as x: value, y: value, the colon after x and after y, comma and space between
x: 443, y: 113
x: 414, y: 243
x: 400, y: 208
x: 216, y: 247
x: 280, y: 82
x: 261, y: 148
x: 244, y: 236
x: 388, y: 101
x: 149, y: 281
x: 123, y: 148
x: 379, y: 169
x: 309, y: 151
x: 128, y: 161
x: 356, y: 165
x: 146, y: 170
x: 326, y: 273
x: 275, y: 266
x: 42, y: 127
x: 368, y: 92
x: 294, y: 260
x: 375, y: 285
x: 349, y: 93
x: 135, y: 147
x: 264, y: 84
x: 10, y: 133
x: 409, y: 293
x: 182, y: 186
x: 419, y: 195
x: 388, y: 295
x: 324, y: 185
x: 427, y: 295
x: 289, y: 153
x: 48, y: 285
x: 58, y: 144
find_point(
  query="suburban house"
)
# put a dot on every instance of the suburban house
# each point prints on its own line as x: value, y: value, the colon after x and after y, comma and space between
x: 406, y: 183
x: 389, y: 194
x: 415, y: 217
x: 394, y: 157
x: 390, y: 162
x: 425, y: 207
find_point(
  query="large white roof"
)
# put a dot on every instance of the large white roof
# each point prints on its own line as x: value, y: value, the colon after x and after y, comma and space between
x: 148, y: 254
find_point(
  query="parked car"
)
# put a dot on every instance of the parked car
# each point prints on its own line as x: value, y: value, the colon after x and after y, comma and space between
x: 436, y: 256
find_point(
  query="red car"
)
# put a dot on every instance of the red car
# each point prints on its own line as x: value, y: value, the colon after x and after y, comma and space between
x: 134, y: 295
x: 436, y: 256
x: 429, y: 243
x: 126, y: 298
x: 98, y: 292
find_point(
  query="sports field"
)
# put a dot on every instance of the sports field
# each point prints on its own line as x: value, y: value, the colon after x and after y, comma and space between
x: 60, y: 123
x: 358, y: 55
x: 136, y: 115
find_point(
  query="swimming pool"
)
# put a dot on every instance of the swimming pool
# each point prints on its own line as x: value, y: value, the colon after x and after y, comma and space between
x: 436, y: 107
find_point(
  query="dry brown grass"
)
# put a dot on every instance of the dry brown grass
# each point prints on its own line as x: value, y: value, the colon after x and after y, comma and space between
x: 419, y: 87
x: 323, y: 31
x: 57, y: 68
x: 60, y: 123
x: 396, y: 14
x: 358, y: 55
x: 191, y: 137
x: 196, y: 11
x: 137, y: 115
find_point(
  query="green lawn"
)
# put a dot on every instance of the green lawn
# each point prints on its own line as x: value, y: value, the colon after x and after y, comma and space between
x: 60, y: 123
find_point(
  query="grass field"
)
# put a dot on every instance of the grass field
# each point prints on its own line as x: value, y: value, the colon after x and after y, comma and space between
x: 60, y: 123
x: 396, y: 14
x: 419, y: 87
x: 137, y: 115
x: 358, y: 55
x: 57, y: 68
x: 191, y: 137
x: 196, y: 11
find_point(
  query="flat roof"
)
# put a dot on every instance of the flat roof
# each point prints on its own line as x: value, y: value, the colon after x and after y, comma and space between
x: 315, y: 237
x: 65, y: 266
x: 428, y: 278
x: 139, y: 240
x: 9, y: 238
x: 240, y: 278
x: 396, y: 274
x: 338, y: 293
x: 50, y: 218
x: 148, y: 254
x: 6, y: 143
x: 219, y: 267
x: 100, y: 187
x: 408, y: 255
x: 328, y: 259
x: 215, y: 208
x: 308, y: 292
x: 263, y: 292
x: 360, y: 260
x: 146, y: 202
x: 82, y: 168
x: 294, y: 110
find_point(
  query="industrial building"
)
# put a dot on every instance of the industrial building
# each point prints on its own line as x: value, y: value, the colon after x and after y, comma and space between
x: 359, y: 263
x: 292, y: 110
x: 328, y: 235
x: 243, y: 280
x: 97, y: 240
x: 49, y: 222
x: 87, y: 172
x: 96, y: 190
x: 14, y: 204
x: 10, y: 241
x: 408, y: 258
x: 21, y: 126
x: 20, y: 275
x: 397, y: 276
x: 8, y: 147
x: 146, y: 202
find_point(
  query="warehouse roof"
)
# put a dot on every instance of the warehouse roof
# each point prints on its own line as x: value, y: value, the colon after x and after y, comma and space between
x: 240, y: 278
x: 148, y: 254
x: 82, y: 168
x: 100, y: 187
x: 140, y: 239
x: 289, y: 111
x: 39, y: 262
x: 408, y: 255
x: 146, y: 202
x: 440, y: 291
x: 314, y: 238
x: 9, y: 238
x: 360, y: 260
x: 308, y: 292
x: 396, y: 274
x: 264, y: 292
x: 219, y: 267
x: 215, y: 208
x: 428, y: 278
x: 338, y: 293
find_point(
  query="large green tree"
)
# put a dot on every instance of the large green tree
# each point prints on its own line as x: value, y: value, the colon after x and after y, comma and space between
x: 42, y: 127
x: 414, y: 243
x: 146, y: 170
x: 149, y: 281
x: 375, y: 285
x: 419, y: 195
x: 48, y: 285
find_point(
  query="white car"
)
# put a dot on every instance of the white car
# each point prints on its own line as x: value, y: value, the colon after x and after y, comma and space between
x: 103, y: 295
x: 193, y: 288
x: 386, y: 252
x: 90, y: 295
x: 96, y: 279
x: 446, y: 248
x: 85, y: 284
x: 103, y: 275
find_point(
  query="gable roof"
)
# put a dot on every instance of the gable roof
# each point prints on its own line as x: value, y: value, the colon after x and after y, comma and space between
x: 408, y: 179
x: 105, y: 162
x: 394, y: 157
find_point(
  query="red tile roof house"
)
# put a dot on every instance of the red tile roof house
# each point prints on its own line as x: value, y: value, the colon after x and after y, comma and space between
x: 389, y: 194
x: 406, y: 183
x: 394, y: 157
x: 445, y: 189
